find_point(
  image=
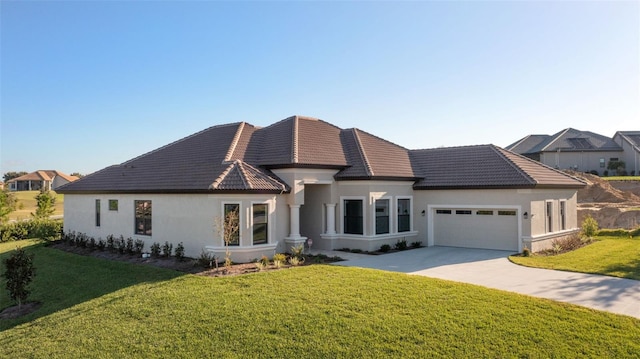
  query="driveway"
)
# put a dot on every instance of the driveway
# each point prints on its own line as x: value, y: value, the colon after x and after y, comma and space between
x: 490, y: 268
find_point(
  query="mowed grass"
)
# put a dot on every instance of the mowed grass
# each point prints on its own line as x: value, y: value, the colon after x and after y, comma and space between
x: 27, y: 204
x: 612, y: 256
x: 116, y: 310
x: 622, y: 178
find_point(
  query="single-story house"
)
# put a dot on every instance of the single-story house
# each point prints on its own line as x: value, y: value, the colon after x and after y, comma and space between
x: 303, y: 178
x: 573, y: 149
x: 629, y: 141
x: 43, y: 179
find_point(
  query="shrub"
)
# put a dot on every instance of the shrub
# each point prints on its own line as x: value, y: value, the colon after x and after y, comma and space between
x: 101, y: 245
x: 122, y: 245
x: 295, y: 261
x: 179, y: 253
x: 589, y: 227
x: 167, y: 248
x: 635, y: 232
x: 264, y: 260
x: 46, y: 229
x: 111, y: 243
x: 130, y: 248
x: 417, y: 244
x: 206, y: 259
x: 260, y: 265
x: 138, y: 246
x: 526, y: 252
x: 298, y: 251
x: 91, y: 244
x: 45, y: 202
x: 155, y: 249
x: 356, y: 250
x: 618, y: 232
x: 401, y: 245
x: 279, y: 259
x: 385, y: 248
x: 19, y: 273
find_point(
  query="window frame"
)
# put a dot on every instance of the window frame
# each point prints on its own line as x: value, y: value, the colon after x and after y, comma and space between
x: 343, y: 217
x: 563, y: 215
x: 147, y: 219
x: 548, y: 213
x: 97, y: 210
x: 409, y: 213
x: 388, y: 215
x: 267, y: 214
x: 111, y: 205
x: 236, y: 243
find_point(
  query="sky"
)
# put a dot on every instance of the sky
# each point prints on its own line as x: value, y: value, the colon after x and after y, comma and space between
x: 88, y: 84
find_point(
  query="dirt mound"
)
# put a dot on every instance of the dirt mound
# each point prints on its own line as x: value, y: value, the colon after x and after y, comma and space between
x: 601, y: 191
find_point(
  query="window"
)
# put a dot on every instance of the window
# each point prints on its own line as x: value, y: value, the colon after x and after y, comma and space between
x: 382, y: 216
x: 231, y: 224
x: 404, y: 215
x: 443, y: 211
x: 353, y: 223
x: 613, y: 159
x: 143, y: 217
x: 484, y: 213
x: 506, y: 213
x: 113, y: 204
x: 549, y: 216
x: 97, y: 213
x: 463, y: 211
x: 563, y: 215
x: 260, y: 219
x: 602, y: 163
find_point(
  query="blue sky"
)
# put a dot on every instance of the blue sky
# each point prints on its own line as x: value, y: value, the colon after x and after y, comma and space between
x: 85, y: 85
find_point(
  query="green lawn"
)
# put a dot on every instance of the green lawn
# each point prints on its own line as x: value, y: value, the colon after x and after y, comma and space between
x: 27, y: 201
x: 612, y: 256
x: 94, y: 308
x: 622, y: 178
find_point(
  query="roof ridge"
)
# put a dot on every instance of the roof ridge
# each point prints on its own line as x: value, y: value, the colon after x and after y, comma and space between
x: 559, y: 135
x: 363, y: 155
x: 221, y: 177
x: 540, y: 164
x: 234, y: 142
x: 381, y: 139
x: 294, y: 142
x: 624, y: 137
x: 243, y: 174
x: 512, y: 164
x: 178, y: 141
x: 518, y: 143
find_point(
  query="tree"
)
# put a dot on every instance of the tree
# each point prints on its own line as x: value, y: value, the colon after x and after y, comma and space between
x: 19, y: 272
x: 589, y: 227
x: 8, y: 204
x: 77, y: 174
x: 45, y: 200
x: 618, y: 166
x: 229, y: 228
x: 11, y: 175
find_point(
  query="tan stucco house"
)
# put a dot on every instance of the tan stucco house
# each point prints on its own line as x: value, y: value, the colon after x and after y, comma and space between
x: 305, y: 178
x: 40, y: 180
x: 629, y: 141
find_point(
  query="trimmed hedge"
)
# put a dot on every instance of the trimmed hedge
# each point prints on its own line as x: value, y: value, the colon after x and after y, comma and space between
x: 618, y: 232
x: 48, y: 229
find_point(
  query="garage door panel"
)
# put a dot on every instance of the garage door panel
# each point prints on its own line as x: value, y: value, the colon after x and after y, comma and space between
x: 476, y: 228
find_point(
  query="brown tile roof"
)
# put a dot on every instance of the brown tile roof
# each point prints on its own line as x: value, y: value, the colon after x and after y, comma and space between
x: 44, y: 175
x: 484, y: 166
x: 240, y: 156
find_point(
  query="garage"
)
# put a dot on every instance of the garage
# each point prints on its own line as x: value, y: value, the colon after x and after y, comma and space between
x: 486, y: 228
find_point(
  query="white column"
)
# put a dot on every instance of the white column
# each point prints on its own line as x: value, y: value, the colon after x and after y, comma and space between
x: 294, y: 220
x: 331, y: 218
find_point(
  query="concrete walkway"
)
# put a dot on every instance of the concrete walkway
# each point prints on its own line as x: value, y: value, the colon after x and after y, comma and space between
x: 492, y: 269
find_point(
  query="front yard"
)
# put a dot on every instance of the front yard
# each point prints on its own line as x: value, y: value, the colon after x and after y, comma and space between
x: 98, y: 308
x: 612, y: 256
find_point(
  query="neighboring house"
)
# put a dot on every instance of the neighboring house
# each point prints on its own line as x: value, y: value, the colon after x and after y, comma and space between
x: 570, y: 149
x: 630, y: 143
x: 44, y: 179
x: 344, y: 188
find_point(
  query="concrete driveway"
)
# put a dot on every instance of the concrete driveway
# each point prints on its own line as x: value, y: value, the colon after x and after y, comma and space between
x: 490, y: 268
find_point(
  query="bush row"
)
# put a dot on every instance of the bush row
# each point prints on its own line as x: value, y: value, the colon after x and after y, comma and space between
x: 619, y: 233
x: 48, y: 229
x: 122, y: 245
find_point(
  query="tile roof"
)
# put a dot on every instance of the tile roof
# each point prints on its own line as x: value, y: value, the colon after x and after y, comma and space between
x: 483, y: 166
x: 633, y: 137
x: 43, y: 175
x: 239, y: 157
x: 567, y: 140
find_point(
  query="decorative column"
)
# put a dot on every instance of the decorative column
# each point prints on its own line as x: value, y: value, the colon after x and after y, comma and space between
x: 294, y: 239
x: 331, y: 219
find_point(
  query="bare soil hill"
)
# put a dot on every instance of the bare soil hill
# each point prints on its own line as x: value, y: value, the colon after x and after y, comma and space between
x: 613, y: 205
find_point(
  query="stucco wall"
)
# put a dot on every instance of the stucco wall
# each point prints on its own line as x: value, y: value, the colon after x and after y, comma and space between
x: 581, y: 161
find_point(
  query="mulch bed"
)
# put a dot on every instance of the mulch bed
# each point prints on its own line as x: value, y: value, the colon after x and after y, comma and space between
x: 15, y: 311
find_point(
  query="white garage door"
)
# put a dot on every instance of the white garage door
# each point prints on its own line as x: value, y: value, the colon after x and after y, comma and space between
x: 476, y: 228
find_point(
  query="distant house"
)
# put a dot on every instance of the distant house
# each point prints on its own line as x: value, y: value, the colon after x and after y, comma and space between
x: 629, y: 141
x: 43, y: 179
x: 302, y: 178
x: 570, y: 149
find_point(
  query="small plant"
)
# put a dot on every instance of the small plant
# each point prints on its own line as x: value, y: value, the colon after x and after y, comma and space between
x: 416, y: 244
x: 401, y: 245
x: 101, y: 245
x: 179, y: 252
x: 556, y: 247
x: 111, y: 243
x: 298, y: 251
x: 206, y: 259
x: 91, y: 244
x: 589, y: 227
x: 155, y: 249
x: 122, y: 245
x: 356, y: 250
x: 19, y: 273
x: 279, y: 259
x: 385, y: 248
x: 260, y: 265
x: 295, y: 261
x: 167, y: 248
x: 526, y: 252
x: 130, y: 248
x: 265, y: 260
x: 138, y: 246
